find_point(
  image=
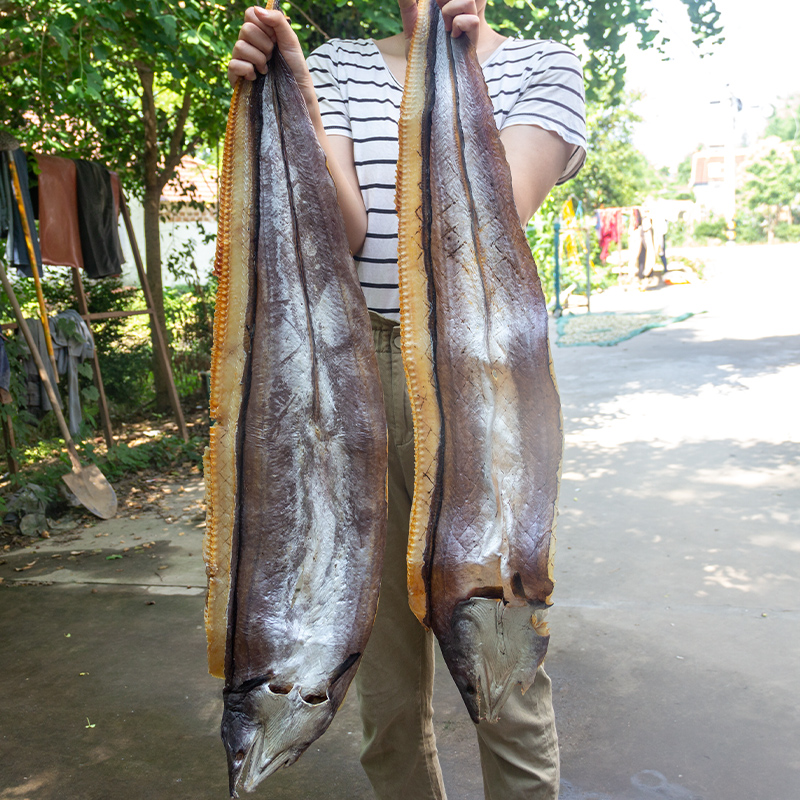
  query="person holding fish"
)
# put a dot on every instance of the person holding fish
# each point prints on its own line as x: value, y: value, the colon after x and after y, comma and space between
x: 353, y: 90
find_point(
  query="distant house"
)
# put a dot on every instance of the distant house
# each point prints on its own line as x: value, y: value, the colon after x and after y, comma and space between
x: 708, y: 179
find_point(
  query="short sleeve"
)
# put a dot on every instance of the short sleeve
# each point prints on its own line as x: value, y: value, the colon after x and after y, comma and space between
x: 323, y: 66
x: 553, y: 98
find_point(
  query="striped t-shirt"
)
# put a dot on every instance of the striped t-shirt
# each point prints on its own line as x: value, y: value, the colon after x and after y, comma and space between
x: 530, y: 83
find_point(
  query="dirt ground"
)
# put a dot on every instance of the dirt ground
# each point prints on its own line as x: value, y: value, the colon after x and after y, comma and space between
x: 149, y: 491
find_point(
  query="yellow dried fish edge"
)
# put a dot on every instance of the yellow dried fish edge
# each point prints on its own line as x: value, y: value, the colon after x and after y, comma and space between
x: 415, y: 311
x: 228, y: 357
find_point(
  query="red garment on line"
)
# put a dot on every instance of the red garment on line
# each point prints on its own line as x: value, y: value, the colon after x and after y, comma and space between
x: 610, y: 229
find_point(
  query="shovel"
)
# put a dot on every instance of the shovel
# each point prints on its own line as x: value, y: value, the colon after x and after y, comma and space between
x: 88, y: 484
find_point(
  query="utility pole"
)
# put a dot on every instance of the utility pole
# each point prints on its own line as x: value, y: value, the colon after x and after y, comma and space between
x: 729, y: 188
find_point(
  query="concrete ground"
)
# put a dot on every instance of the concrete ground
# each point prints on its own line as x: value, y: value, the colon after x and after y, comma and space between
x: 676, y: 632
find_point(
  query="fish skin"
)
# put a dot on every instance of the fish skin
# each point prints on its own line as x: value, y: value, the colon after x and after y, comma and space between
x: 309, y: 504
x: 483, y: 551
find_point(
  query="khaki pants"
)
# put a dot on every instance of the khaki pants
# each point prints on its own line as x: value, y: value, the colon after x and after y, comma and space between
x: 519, y: 754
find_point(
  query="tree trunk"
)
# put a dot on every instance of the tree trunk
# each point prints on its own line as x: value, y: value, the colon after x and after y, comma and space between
x: 153, y: 185
x: 152, y: 250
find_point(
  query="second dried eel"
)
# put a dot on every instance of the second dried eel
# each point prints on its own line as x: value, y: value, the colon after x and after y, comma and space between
x: 487, y: 417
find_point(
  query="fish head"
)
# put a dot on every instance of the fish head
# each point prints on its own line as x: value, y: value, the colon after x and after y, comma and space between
x: 267, y: 726
x: 491, y: 647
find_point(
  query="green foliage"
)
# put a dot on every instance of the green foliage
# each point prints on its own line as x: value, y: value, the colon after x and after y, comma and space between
x: 120, y: 461
x: 712, y: 228
x: 772, y: 186
x: 84, y: 60
x: 189, y: 311
x: 787, y: 232
x: 785, y: 123
x: 81, y: 65
x: 615, y: 173
x: 572, y: 261
x: 158, y: 454
x: 600, y: 27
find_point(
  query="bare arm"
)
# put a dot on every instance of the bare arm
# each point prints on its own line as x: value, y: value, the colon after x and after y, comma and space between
x: 537, y: 159
x: 261, y: 32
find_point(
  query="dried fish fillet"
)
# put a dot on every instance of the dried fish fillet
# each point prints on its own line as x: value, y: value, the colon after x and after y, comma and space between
x: 296, y: 467
x: 487, y: 417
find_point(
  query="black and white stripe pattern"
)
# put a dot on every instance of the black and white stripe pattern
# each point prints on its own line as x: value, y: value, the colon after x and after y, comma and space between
x: 530, y: 83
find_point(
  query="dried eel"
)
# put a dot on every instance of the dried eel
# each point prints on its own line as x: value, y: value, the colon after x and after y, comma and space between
x: 297, y: 459
x: 487, y: 417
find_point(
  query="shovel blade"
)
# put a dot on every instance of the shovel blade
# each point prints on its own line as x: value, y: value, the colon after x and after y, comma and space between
x: 93, y: 490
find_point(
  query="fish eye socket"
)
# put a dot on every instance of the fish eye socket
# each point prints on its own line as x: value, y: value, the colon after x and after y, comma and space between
x: 314, y: 699
x: 280, y: 688
x: 239, y: 757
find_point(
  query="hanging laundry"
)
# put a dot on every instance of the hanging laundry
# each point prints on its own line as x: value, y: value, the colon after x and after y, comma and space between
x: 59, y: 230
x: 102, y: 252
x: 609, y: 229
x: 16, y: 246
x: 73, y: 344
x: 648, y: 266
x: 660, y: 227
x: 37, y: 400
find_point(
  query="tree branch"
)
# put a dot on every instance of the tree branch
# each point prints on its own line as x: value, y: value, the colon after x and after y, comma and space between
x: 150, y: 124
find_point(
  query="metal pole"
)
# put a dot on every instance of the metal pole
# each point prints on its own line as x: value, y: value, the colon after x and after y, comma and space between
x: 557, y: 310
x: 588, y: 275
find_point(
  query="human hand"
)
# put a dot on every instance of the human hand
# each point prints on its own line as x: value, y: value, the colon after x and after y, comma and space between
x: 460, y: 16
x: 261, y: 32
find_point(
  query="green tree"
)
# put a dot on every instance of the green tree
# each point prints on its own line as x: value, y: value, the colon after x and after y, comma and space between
x: 615, y: 173
x: 773, y: 186
x: 134, y: 84
x: 785, y: 123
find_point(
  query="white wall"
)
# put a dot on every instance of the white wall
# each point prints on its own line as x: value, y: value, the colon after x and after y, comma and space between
x: 173, y: 235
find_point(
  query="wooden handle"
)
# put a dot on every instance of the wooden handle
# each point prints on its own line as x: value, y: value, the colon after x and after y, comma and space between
x: 34, y: 264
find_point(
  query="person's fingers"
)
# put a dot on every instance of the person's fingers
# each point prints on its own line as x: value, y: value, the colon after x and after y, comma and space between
x: 453, y: 8
x: 408, y: 13
x: 468, y: 24
x: 257, y: 36
x: 240, y: 69
x: 257, y: 56
x: 261, y: 32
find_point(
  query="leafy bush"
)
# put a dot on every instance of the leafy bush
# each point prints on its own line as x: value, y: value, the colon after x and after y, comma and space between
x: 712, y: 228
x: 787, y: 232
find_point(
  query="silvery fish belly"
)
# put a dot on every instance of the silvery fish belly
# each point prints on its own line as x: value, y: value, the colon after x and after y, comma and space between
x: 487, y: 417
x: 296, y: 465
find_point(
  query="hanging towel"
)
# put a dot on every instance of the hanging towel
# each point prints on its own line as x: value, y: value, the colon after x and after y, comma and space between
x: 16, y: 247
x: 102, y: 252
x: 59, y: 230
